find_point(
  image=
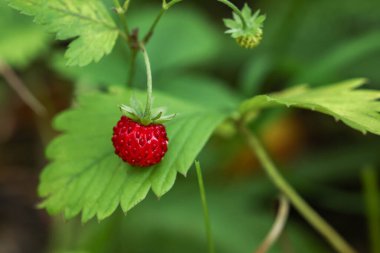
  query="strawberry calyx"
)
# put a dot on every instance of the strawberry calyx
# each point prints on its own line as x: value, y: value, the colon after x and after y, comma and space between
x: 155, y: 116
x: 245, y: 26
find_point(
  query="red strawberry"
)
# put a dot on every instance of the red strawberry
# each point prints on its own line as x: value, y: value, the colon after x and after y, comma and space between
x: 139, y: 145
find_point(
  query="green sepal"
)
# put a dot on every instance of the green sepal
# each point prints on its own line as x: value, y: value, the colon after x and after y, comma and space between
x: 157, y: 116
x: 135, y: 111
x: 137, y: 105
x: 130, y: 112
x: 245, y: 27
x: 165, y: 119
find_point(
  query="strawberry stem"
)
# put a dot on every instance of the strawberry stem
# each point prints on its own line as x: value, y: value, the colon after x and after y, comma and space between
x: 298, y: 202
x: 148, y: 108
x: 165, y: 7
x: 202, y: 191
x: 236, y: 11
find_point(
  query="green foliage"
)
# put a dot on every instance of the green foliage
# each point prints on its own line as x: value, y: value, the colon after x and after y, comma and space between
x: 79, y: 173
x: 200, y: 38
x: 85, y: 174
x: 357, y: 108
x: 86, y: 21
x: 110, y: 70
x: 175, y: 224
x: 21, y: 40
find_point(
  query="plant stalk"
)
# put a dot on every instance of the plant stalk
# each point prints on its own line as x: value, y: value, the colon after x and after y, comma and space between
x: 371, y: 193
x: 126, y: 5
x: 148, y: 108
x: 20, y: 88
x: 236, y: 11
x: 278, y: 225
x: 210, y: 242
x: 303, y: 208
x: 132, y: 67
x: 117, y: 4
x: 153, y: 27
x: 121, y: 10
x: 165, y: 7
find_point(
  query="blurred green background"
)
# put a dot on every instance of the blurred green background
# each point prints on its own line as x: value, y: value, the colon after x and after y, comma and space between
x: 314, y: 42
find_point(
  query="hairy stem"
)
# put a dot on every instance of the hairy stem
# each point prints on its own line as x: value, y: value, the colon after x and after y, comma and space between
x: 372, y: 196
x: 148, y: 107
x: 303, y: 208
x: 18, y: 85
x: 210, y: 242
x: 278, y: 225
x: 236, y: 11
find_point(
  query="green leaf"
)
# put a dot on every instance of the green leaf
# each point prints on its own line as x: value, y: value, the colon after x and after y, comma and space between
x: 357, y: 108
x: 201, y: 40
x: 175, y: 223
x: 85, y: 174
x: 86, y: 21
x: 21, y: 41
x: 111, y: 69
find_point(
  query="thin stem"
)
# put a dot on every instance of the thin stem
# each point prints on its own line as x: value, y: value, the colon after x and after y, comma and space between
x: 135, y: 45
x: 165, y: 6
x: 124, y: 36
x: 126, y: 5
x: 278, y: 226
x: 150, y: 32
x: 235, y: 10
x: 117, y: 4
x: 148, y: 107
x: 132, y: 67
x: 121, y: 10
x: 130, y: 38
x: 125, y: 23
x: 305, y: 210
x: 372, y: 196
x: 18, y: 85
x: 210, y: 242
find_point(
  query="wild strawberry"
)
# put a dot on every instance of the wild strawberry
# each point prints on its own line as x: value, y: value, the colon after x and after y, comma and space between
x: 139, y: 145
x: 139, y: 137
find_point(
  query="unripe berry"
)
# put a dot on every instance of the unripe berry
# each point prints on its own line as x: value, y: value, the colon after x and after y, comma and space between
x: 250, y: 40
